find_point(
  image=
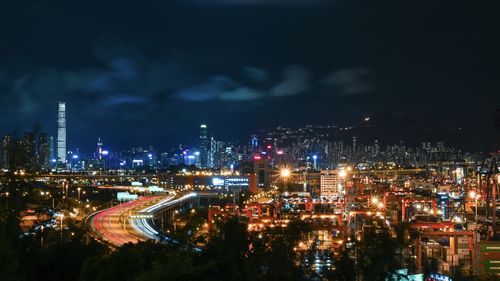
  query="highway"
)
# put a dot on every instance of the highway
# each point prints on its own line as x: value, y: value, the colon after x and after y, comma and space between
x: 132, y: 222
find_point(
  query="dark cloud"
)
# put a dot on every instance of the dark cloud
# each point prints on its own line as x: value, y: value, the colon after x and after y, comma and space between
x: 256, y: 73
x: 212, y: 89
x: 125, y: 99
x: 295, y: 81
x: 350, y: 81
x: 241, y: 94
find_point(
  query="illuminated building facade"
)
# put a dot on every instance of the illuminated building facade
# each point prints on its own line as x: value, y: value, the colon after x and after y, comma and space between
x: 329, y: 184
x: 61, y: 133
x: 204, y: 146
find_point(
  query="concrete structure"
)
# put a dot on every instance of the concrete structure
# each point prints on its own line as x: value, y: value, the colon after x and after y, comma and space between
x: 204, y: 143
x: 329, y: 184
x: 61, y: 133
x: 44, y: 151
x: 263, y: 171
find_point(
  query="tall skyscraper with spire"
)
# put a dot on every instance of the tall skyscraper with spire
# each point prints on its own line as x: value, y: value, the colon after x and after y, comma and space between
x: 61, y: 133
x: 204, y: 143
x: 99, y: 148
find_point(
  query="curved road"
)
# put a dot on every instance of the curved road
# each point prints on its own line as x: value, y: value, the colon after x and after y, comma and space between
x: 131, y: 222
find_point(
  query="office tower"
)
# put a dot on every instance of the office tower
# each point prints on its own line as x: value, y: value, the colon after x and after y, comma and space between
x: 61, y: 133
x: 354, y: 149
x: 203, y: 146
x: 211, y: 153
x: 51, y: 149
x: 7, y: 152
x: 99, y: 148
x: 315, y: 162
x: 254, y: 144
x: 44, y: 151
x: 28, y: 151
x: 329, y: 184
x: 262, y: 171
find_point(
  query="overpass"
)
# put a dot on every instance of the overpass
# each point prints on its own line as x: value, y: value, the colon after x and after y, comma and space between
x: 133, y: 221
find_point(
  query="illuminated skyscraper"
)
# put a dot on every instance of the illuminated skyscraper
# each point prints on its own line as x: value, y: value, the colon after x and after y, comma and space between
x: 28, y: 151
x: 204, y: 146
x: 43, y: 151
x: 211, y: 153
x: 52, y: 153
x: 61, y: 133
x: 99, y: 149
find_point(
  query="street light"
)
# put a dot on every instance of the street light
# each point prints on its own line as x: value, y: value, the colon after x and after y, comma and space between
x: 61, y: 216
x: 342, y: 173
x: 41, y: 236
x: 7, y: 200
x: 285, y: 173
x: 475, y: 196
x: 79, y: 189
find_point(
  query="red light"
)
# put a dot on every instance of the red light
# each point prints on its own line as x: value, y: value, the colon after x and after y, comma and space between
x: 257, y: 157
x: 269, y: 147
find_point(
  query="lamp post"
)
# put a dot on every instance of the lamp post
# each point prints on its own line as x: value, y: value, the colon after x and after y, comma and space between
x: 285, y: 173
x: 7, y: 201
x: 175, y: 220
x: 79, y: 189
x: 41, y: 236
x: 475, y: 196
x: 61, y: 216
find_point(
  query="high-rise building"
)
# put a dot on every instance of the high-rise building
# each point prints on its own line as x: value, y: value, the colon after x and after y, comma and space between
x: 204, y: 146
x: 61, y: 133
x: 28, y: 151
x: 52, y: 153
x: 7, y: 152
x: 254, y: 143
x: 211, y: 153
x: 99, y: 148
x: 44, y: 151
x: 329, y: 184
x: 262, y: 169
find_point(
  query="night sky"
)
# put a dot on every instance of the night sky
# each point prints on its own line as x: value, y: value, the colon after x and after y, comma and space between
x: 149, y: 72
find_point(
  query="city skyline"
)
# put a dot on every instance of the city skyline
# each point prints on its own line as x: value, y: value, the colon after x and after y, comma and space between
x: 369, y: 128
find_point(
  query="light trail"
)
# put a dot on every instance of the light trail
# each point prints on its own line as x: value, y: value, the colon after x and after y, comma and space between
x: 117, y: 225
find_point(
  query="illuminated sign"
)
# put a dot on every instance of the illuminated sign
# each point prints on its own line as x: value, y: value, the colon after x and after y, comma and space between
x: 125, y: 196
x: 439, y: 277
x: 237, y: 181
x: 155, y: 188
x: 230, y: 181
x: 218, y: 182
x: 257, y: 157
